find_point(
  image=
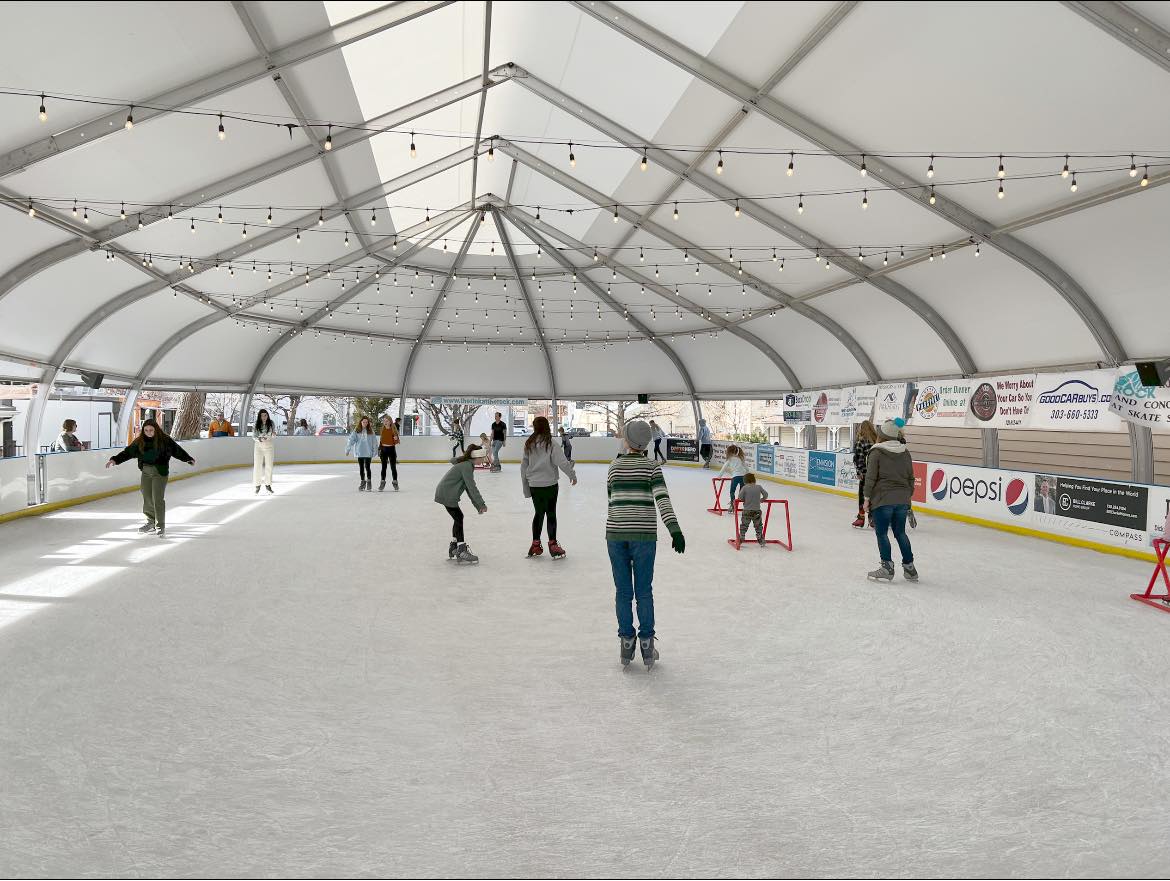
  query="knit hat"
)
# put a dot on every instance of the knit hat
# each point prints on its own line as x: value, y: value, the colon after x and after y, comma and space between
x: 891, y: 428
x: 638, y: 434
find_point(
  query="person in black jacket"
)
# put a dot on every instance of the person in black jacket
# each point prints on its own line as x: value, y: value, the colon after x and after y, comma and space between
x: 154, y: 449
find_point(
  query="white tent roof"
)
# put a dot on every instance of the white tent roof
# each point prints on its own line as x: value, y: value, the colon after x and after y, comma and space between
x: 1061, y: 278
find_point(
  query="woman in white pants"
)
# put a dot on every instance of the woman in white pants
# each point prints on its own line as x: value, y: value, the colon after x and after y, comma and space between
x: 264, y: 452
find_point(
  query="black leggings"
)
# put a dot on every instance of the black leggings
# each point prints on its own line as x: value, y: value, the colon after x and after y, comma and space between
x: 364, y: 467
x: 658, y: 450
x: 456, y: 527
x: 861, y: 490
x: 544, y: 500
x: 389, y: 454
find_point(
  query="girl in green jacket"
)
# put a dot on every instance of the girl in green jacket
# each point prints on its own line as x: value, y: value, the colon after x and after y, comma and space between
x: 153, y: 449
x: 458, y: 480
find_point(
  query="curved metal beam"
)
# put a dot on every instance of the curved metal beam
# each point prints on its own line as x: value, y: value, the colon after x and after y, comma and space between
x: 1135, y: 31
x: 761, y: 214
x: 878, y: 169
x: 613, y: 304
x: 88, y: 239
x: 452, y: 220
x: 506, y: 241
x: 217, y: 83
x: 846, y: 339
x: 666, y: 294
x: 434, y: 311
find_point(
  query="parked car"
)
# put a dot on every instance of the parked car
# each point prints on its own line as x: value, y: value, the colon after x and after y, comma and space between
x: 330, y: 429
x: 577, y: 432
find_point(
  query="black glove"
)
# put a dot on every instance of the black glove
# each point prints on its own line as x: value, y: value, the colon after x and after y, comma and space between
x: 678, y: 542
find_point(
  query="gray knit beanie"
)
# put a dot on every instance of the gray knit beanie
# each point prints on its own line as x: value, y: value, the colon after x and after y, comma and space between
x: 638, y: 434
x: 891, y: 428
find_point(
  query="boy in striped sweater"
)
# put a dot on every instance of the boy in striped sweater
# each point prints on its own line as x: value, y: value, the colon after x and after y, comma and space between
x: 635, y: 486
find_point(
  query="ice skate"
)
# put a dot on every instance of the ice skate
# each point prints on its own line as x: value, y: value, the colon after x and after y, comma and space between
x: 909, y: 572
x: 884, y: 572
x: 396, y: 486
x: 463, y: 554
x: 628, y: 643
x: 859, y: 523
x: 146, y: 527
x: 257, y: 490
x: 535, y: 549
x: 555, y: 550
x: 160, y: 532
x: 451, y: 548
x: 382, y: 486
x: 268, y: 487
x: 649, y: 652
x: 361, y: 487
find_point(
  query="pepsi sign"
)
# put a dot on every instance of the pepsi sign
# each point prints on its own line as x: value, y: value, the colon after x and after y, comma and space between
x: 979, y: 490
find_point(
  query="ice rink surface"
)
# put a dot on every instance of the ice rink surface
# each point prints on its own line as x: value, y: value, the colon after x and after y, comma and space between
x: 301, y: 685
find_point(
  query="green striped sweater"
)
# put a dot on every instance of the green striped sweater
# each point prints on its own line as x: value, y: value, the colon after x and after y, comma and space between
x: 635, y: 485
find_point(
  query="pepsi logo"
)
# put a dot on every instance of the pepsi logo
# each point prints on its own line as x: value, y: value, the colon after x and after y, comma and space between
x: 1016, y: 497
x: 938, y: 484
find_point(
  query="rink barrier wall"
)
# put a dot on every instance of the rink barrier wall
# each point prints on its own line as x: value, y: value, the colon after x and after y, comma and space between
x: 1109, y: 516
x: 77, y: 478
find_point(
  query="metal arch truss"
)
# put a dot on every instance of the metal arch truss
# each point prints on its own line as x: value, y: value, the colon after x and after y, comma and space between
x: 86, y: 239
x: 613, y: 304
x: 703, y: 69
x: 506, y: 241
x: 775, y: 294
x: 433, y: 314
x: 667, y: 295
x: 1135, y: 31
x: 447, y: 221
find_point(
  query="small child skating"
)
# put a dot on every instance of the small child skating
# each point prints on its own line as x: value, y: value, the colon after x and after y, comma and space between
x: 736, y: 467
x: 751, y: 495
x: 460, y: 479
x: 635, y: 486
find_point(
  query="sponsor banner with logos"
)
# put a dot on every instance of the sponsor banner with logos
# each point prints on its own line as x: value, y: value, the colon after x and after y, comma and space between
x: 719, y: 452
x: 1001, y: 402
x: 1074, y: 401
x: 680, y: 449
x: 890, y: 401
x: 942, y: 404
x: 846, y: 471
x: 765, y: 458
x: 792, y: 464
x: 822, y: 468
x: 1140, y: 404
x: 479, y: 402
x: 827, y: 408
x: 857, y: 403
x: 1117, y: 513
x: 798, y: 408
x: 989, y: 493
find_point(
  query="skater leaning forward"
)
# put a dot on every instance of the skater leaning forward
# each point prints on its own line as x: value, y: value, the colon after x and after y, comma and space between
x: 458, y: 480
x: 889, y: 487
x: 538, y: 474
x: 635, y: 486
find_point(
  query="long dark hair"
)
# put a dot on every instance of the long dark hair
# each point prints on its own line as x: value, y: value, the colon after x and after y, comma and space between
x: 369, y: 425
x: 467, y: 453
x: 160, y: 436
x: 260, y: 425
x: 541, y: 434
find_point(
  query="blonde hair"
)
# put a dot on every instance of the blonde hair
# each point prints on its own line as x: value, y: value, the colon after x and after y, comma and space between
x: 749, y: 478
x: 867, y: 432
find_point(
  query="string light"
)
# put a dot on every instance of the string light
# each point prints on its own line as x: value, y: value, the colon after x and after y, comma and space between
x: 1145, y: 181
x: 930, y: 168
x: 222, y: 131
x: 123, y: 212
x: 491, y: 153
x: 737, y: 207
x: 1000, y: 173
x: 1132, y: 166
x: 645, y: 162
x: 864, y: 172
x: 864, y: 200
x: 129, y: 119
x: 43, y: 114
x: 413, y: 150
x: 800, y: 204
x: 791, y: 164
x: 572, y: 158
x: 615, y: 214
x: 1073, y: 186
x: 329, y: 139
x: 1000, y: 193
x: 1064, y: 171
x: 32, y: 212
x: 719, y: 164
x: 676, y: 210
x: 931, y: 199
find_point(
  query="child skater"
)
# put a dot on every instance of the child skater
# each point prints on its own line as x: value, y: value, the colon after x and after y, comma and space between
x: 751, y: 494
x: 458, y: 480
x: 635, y: 485
x: 736, y: 467
x: 363, y: 443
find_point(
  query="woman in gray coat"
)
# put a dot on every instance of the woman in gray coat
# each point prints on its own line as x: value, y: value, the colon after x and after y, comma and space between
x: 460, y: 479
x: 889, y: 486
x: 538, y: 474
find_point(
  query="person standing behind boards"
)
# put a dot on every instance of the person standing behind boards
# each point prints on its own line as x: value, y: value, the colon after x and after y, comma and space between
x: 67, y: 441
x: 220, y: 427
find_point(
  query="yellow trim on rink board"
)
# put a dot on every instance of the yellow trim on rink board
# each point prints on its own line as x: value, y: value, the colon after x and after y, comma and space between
x: 1132, y: 553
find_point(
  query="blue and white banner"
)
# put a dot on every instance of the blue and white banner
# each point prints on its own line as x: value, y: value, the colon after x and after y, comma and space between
x: 1074, y: 402
x: 765, y: 458
x: 1146, y: 405
x: 479, y: 402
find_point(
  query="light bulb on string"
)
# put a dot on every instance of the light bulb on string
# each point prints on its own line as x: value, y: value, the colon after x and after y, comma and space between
x: 1000, y: 173
x: 222, y: 131
x: 32, y: 212
x: 374, y: 222
x: 129, y: 119
x: 641, y: 256
x: 1073, y: 184
x: 329, y: 139
x: 43, y: 114
x: 1064, y: 171
x: 737, y: 207
x: 800, y: 204
x: 491, y: 153
x: 999, y: 194
x: 676, y: 210
x: 719, y: 164
x: 931, y: 199
x: 243, y: 231
x: 864, y: 200
x: 645, y: 162
x: 1145, y: 181
x: 413, y: 149
x: 864, y: 171
x: 572, y: 158
x: 930, y: 168
x: 791, y: 164
x: 321, y: 217
x: 122, y: 214
x: 886, y: 259
x: 615, y: 214
x: 1132, y: 166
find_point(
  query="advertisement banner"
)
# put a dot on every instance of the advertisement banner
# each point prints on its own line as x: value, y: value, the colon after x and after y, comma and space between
x: 890, y: 402
x: 1001, y: 402
x: 857, y: 403
x: 981, y: 492
x: 719, y: 452
x: 1114, y: 512
x: 1074, y: 401
x: 681, y: 449
x: 749, y: 455
x: 479, y: 402
x: 1141, y: 404
x: 919, y: 483
x: 827, y: 408
x: 798, y: 408
x: 942, y: 404
x: 792, y: 464
x: 846, y: 472
x: 765, y: 458
x: 822, y: 468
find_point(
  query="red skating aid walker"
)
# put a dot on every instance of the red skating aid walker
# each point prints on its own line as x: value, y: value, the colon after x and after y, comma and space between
x: 717, y: 483
x: 1157, y: 600
x: 768, y: 503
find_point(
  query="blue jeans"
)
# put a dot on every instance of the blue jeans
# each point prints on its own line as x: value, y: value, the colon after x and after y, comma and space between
x: 633, y: 574
x: 497, y: 445
x: 736, y: 483
x: 895, y: 516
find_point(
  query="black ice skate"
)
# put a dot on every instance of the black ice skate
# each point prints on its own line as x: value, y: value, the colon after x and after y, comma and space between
x: 649, y: 652
x: 628, y: 644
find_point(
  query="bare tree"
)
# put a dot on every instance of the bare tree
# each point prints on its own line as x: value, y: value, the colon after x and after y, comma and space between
x: 189, y: 420
x: 618, y: 413
x: 730, y: 417
x: 340, y: 405
x: 447, y: 416
x: 284, y: 405
x: 221, y: 402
